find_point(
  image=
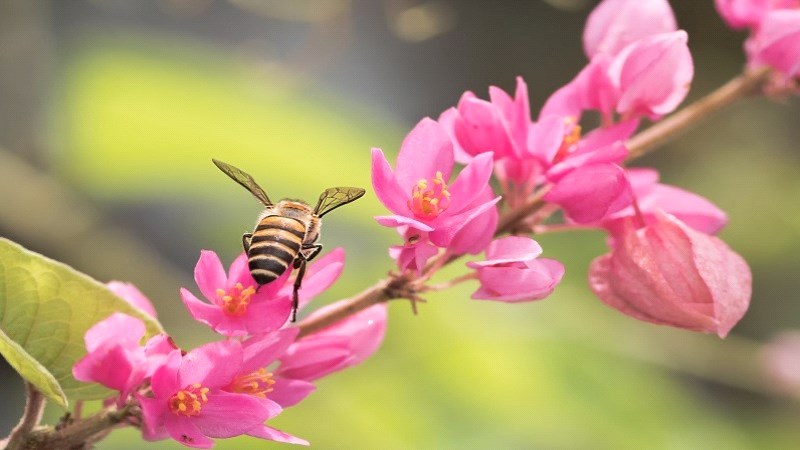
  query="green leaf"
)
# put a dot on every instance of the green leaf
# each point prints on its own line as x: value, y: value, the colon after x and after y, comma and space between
x: 45, y: 309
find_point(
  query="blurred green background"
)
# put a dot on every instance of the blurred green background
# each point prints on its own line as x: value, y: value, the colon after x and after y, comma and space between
x: 110, y: 111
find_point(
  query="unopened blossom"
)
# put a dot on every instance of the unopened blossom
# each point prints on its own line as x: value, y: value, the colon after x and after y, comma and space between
x: 585, y: 176
x: 613, y: 24
x: 189, y: 403
x: 424, y: 201
x: 649, y: 77
x: 343, y: 344
x: 653, y: 198
x: 741, y: 14
x: 776, y: 44
x: 669, y: 274
x: 132, y: 295
x: 237, y: 306
x: 513, y: 271
x: 116, y: 358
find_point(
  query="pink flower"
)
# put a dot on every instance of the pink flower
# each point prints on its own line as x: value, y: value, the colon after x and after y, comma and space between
x: 653, y: 197
x: 115, y: 356
x: 189, y: 403
x: 254, y: 379
x: 499, y: 125
x: 132, y: 295
x: 513, y: 272
x: 667, y: 273
x: 649, y: 77
x: 586, y: 177
x: 424, y: 202
x: 344, y: 344
x: 613, y: 24
x: 239, y: 307
x: 777, y: 43
x: 653, y: 75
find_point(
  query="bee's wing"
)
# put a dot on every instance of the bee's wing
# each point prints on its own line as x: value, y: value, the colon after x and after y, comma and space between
x: 335, y: 197
x: 243, y: 178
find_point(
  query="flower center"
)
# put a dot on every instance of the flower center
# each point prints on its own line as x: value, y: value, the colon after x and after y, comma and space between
x: 569, y: 141
x: 188, y: 401
x: 429, y: 199
x: 258, y: 383
x: 235, y: 301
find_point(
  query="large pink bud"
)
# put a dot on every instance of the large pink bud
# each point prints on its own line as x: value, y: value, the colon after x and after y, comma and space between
x: 613, y: 24
x: 669, y: 274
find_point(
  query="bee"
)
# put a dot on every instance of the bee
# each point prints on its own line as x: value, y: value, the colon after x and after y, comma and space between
x: 286, y: 233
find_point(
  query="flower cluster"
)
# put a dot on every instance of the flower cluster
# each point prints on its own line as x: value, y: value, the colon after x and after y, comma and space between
x: 665, y: 266
x: 230, y: 387
x: 774, y: 39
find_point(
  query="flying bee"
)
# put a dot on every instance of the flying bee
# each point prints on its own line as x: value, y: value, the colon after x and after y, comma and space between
x: 286, y: 233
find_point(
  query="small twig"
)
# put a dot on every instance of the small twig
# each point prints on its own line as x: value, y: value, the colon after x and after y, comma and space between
x: 667, y: 129
x: 34, y: 407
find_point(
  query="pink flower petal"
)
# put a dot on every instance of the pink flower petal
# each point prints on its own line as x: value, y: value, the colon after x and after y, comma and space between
x: 267, y: 315
x: 426, y: 150
x: 203, y: 312
x: 469, y: 182
x: 613, y: 24
x: 653, y: 74
x: 119, y: 328
x: 320, y: 275
x: 447, y: 228
x: 131, y: 294
x: 261, y: 350
x: 164, y: 381
x: 265, y: 432
x: 212, y: 365
x: 287, y: 392
x: 153, y: 418
x: 399, y: 221
x: 209, y: 274
x: 227, y: 415
x: 239, y: 272
x: 184, y: 430
x: 387, y: 188
x: 509, y: 249
x: 546, y: 137
x: 591, y: 192
x: 669, y: 274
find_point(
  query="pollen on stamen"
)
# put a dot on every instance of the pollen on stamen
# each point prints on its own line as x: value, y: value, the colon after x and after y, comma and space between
x: 188, y: 401
x: 428, y: 203
x: 258, y: 383
x: 235, y: 301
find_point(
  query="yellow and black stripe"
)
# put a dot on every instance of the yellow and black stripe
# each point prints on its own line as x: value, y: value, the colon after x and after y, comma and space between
x: 274, y: 246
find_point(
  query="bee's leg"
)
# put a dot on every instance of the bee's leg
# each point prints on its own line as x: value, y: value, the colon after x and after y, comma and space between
x: 246, y: 238
x: 297, y: 282
x: 310, y: 251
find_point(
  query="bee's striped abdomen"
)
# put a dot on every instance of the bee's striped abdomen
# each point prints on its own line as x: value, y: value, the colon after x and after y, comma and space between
x: 275, y: 244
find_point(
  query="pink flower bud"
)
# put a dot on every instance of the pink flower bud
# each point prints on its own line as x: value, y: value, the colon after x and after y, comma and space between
x: 341, y: 345
x: 512, y: 273
x: 653, y: 75
x: 613, y: 24
x: 777, y: 42
x: 132, y: 295
x: 669, y: 274
x: 742, y: 13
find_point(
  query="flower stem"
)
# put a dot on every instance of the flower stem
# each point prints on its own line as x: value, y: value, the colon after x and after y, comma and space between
x: 74, y: 435
x: 34, y: 407
x: 667, y: 129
